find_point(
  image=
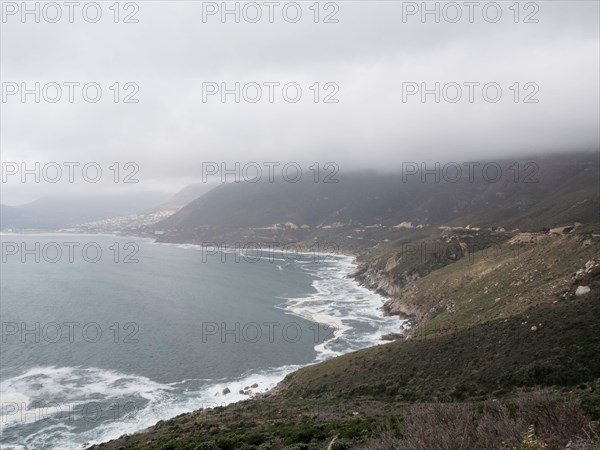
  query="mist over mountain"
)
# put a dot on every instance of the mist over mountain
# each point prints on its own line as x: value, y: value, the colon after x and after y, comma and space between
x: 67, y: 211
x: 529, y: 194
x: 182, y: 197
x: 140, y: 221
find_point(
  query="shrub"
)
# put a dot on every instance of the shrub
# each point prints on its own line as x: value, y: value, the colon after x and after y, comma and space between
x: 207, y: 445
x: 341, y: 444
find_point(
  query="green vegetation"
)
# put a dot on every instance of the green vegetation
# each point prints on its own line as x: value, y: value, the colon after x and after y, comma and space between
x: 490, y: 359
x: 506, y: 356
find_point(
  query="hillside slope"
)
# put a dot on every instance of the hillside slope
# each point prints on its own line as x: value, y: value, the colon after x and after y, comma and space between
x: 505, y: 356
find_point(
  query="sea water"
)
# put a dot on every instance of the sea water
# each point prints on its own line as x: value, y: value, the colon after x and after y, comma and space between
x: 106, y: 335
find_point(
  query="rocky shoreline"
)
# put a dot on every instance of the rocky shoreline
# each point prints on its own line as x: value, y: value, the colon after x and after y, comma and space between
x: 380, y: 282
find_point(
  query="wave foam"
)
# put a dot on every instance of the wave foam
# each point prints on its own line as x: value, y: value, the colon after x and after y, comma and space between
x: 338, y: 301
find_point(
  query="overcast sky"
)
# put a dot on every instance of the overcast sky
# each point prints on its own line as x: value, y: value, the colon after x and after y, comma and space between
x: 370, y: 54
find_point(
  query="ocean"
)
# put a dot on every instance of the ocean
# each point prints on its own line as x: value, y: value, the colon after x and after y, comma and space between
x: 105, y: 335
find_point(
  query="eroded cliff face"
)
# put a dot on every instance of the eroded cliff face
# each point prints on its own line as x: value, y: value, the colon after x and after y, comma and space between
x: 389, y: 284
x: 491, y: 285
x: 390, y: 275
x: 380, y: 281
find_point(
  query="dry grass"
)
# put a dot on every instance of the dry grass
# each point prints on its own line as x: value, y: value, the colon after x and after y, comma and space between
x: 532, y: 422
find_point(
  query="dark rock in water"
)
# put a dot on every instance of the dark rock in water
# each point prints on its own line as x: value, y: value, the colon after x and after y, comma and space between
x: 226, y: 391
x: 254, y: 386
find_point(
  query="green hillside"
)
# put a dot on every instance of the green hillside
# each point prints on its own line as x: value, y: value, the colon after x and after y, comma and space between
x: 505, y: 356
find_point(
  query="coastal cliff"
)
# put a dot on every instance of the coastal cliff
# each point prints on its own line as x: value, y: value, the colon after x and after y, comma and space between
x: 392, y: 273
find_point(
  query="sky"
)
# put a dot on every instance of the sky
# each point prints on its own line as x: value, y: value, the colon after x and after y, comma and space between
x: 339, y: 82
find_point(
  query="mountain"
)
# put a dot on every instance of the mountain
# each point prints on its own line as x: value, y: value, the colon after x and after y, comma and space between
x: 68, y: 211
x: 182, y: 197
x: 549, y: 191
x: 141, y: 222
x: 111, y: 213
